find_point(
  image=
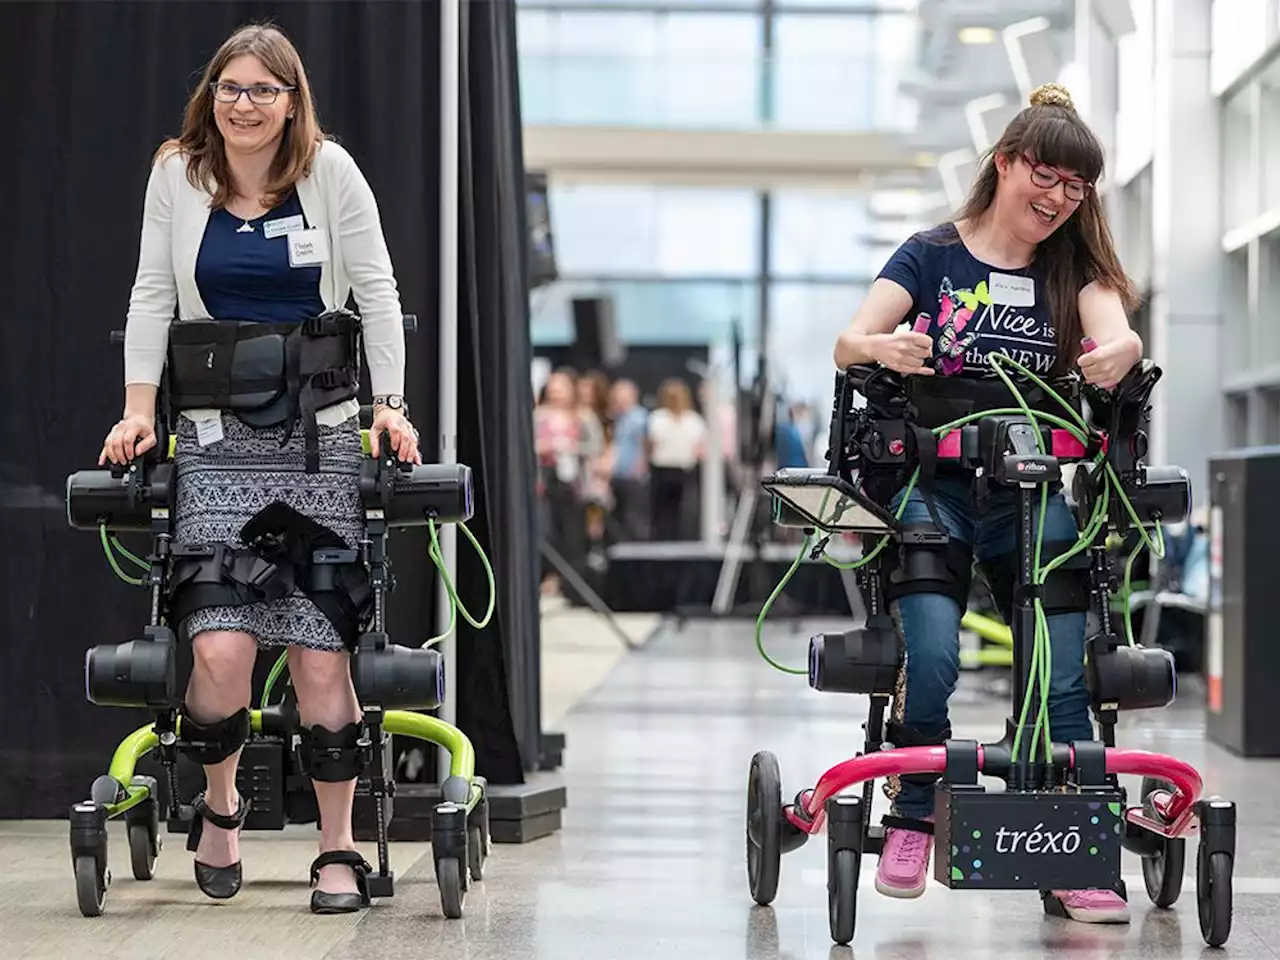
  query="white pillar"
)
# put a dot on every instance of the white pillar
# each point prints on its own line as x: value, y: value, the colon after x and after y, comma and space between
x: 450, y: 65
x: 1186, y: 311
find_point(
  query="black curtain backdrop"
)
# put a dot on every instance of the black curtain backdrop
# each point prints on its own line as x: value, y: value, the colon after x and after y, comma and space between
x: 92, y: 89
x: 495, y: 398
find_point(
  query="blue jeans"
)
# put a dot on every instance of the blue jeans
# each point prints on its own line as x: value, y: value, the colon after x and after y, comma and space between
x: 931, y: 622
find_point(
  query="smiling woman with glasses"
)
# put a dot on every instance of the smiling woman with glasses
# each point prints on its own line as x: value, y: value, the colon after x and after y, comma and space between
x: 1025, y: 269
x: 254, y: 218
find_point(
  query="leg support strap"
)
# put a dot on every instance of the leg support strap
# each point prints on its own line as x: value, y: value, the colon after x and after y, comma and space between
x: 334, y: 756
x: 211, y: 743
x: 922, y: 567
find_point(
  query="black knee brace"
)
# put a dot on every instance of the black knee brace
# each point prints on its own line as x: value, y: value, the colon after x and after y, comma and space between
x: 210, y: 743
x: 900, y: 735
x: 334, y: 756
x: 1066, y: 590
x: 924, y: 567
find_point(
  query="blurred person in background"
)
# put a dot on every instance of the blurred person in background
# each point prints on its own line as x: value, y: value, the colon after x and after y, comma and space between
x: 593, y: 408
x: 559, y: 438
x: 628, y: 460
x: 790, y: 438
x: 677, y: 447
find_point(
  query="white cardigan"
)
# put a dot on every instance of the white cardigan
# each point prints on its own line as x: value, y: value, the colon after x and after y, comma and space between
x: 336, y: 196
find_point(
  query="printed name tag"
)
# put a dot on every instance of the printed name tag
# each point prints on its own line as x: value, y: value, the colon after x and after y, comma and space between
x: 308, y: 248
x: 1012, y: 291
x: 278, y: 228
x: 209, y: 429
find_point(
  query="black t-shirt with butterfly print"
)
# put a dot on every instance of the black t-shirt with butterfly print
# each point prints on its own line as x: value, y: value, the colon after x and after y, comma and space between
x: 970, y: 308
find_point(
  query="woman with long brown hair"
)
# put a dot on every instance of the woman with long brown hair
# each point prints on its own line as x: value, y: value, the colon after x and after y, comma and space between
x: 1027, y: 269
x: 253, y: 214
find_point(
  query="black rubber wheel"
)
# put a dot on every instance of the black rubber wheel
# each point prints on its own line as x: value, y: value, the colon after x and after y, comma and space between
x: 1163, y: 872
x: 91, y: 886
x: 142, y: 851
x: 477, y: 852
x: 1213, y: 896
x: 842, y: 896
x: 764, y: 827
x: 452, y: 887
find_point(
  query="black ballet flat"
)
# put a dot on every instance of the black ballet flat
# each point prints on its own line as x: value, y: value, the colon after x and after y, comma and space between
x: 220, y: 883
x: 322, y: 902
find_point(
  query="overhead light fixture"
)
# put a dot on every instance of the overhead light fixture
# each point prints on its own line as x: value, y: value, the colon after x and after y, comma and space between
x: 977, y: 35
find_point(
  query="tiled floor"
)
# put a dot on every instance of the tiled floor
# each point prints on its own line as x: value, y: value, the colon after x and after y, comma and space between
x: 650, y: 863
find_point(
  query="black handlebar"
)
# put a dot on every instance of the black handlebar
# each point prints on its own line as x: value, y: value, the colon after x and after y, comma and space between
x: 410, y: 326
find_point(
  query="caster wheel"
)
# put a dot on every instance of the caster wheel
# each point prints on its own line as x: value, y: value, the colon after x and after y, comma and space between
x: 453, y: 890
x: 1162, y: 872
x: 842, y: 895
x: 477, y: 852
x: 91, y: 886
x: 1213, y: 896
x: 764, y: 827
x: 143, y: 845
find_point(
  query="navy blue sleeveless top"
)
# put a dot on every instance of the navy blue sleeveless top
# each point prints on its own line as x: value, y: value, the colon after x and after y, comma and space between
x: 244, y: 275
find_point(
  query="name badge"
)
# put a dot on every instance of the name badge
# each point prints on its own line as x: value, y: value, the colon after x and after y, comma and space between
x: 209, y: 429
x: 1012, y: 291
x: 308, y: 248
x: 278, y: 228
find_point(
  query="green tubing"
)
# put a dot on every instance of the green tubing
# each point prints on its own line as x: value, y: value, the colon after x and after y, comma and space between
x: 462, y: 756
x: 277, y: 670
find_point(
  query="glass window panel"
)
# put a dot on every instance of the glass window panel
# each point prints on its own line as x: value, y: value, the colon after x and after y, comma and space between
x: 1267, y: 324
x: 1235, y: 302
x: 805, y: 320
x: 650, y: 312
x: 640, y: 68
x: 1239, y: 181
x: 841, y: 72
x: 1269, y: 129
x: 819, y: 233
x: 681, y: 232
x: 1239, y: 35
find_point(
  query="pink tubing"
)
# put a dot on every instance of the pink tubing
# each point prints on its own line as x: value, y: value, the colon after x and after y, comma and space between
x: 1176, y: 811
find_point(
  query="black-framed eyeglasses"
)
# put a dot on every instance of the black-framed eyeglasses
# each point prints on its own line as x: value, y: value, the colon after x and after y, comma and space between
x: 1047, y: 178
x: 263, y: 94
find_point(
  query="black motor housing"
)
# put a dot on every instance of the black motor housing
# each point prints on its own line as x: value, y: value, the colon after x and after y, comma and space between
x: 121, y: 499
x: 413, y: 495
x: 138, y: 673
x: 1122, y: 677
x: 396, y: 677
x: 864, y: 660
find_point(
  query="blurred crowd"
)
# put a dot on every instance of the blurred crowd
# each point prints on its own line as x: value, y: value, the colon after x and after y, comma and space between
x: 616, y: 464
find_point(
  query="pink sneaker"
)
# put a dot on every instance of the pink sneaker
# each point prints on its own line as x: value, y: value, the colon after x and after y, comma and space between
x: 1088, y: 906
x: 903, y: 871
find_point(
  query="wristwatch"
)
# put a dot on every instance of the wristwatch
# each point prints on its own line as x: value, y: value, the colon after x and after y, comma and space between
x: 392, y: 400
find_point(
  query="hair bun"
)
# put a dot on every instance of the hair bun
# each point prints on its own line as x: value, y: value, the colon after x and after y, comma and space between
x: 1051, y: 95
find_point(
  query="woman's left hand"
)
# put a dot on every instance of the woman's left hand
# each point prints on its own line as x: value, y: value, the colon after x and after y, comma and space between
x: 1105, y: 365
x: 404, y: 438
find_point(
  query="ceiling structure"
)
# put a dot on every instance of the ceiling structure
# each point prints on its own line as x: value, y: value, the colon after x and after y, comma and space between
x: 976, y: 63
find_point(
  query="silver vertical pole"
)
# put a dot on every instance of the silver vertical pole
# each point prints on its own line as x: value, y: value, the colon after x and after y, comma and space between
x: 450, y: 65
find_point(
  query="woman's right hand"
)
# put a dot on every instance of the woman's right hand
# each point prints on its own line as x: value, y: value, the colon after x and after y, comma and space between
x: 903, y: 351
x: 132, y: 436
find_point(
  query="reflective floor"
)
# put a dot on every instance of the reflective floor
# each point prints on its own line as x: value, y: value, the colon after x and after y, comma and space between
x: 650, y: 862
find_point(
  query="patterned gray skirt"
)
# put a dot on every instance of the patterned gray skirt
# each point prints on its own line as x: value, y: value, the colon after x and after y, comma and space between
x: 222, y: 486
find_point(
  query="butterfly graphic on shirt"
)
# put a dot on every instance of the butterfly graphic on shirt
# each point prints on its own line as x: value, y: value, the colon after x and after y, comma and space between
x: 955, y: 310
